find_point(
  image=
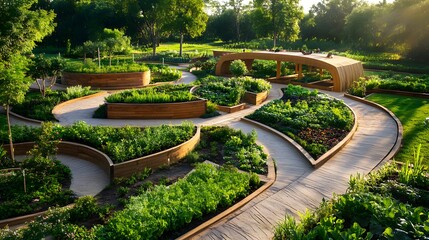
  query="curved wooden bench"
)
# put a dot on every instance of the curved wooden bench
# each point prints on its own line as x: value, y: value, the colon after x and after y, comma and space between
x: 107, y: 80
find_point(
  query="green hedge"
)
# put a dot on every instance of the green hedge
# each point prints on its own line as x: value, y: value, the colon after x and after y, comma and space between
x: 92, y: 67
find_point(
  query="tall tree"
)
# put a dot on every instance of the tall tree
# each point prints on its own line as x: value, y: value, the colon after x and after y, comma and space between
x: 188, y: 18
x: 150, y: 17
x: 21, y: 27
x: 237, y: 7
x: 283, y: 17
x: 13, y: 86
x: 46, y: 71
x: 115, y: 42
x: 330, y: 17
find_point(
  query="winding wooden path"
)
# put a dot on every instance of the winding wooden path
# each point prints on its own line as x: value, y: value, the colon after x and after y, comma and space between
x: 298, y: 186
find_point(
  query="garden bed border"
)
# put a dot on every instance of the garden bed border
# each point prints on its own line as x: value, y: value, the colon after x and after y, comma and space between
x: 315, y: 163
x: 107, y: 81
x: 400, y: 133
x: 232, y: 109
x: 255, y: 98
x: 99, y: 158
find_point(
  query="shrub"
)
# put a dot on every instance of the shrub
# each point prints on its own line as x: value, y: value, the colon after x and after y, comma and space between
x: 358, y: 88
x: 238, y: 68
x: 76, y: 92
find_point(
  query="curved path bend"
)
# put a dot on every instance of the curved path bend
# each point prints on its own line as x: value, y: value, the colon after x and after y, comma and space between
x: 298, y: 186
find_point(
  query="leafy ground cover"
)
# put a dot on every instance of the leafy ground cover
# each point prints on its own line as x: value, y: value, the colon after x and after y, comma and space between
x: 163, y: 73
x: 392, y: 203
x: 412, y: 113
x: 152, y: 214
x: 159, y: 94
x: 402, y: 82
x: 224, y: 145
x: 229, y: 91
x: 37, y: 107
x: 315, y: 121
x: 120, y: 144
x: 21, y: 189
x: 266, y: 68
x: 92, y: 67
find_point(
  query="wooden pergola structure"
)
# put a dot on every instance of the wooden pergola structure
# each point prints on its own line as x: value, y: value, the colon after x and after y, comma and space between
x: 343, y: 70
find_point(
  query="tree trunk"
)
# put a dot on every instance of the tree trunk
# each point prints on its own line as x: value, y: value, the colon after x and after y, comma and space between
x: 274, y: 39
x: 110, y: 60
x: 154, y: 46
x: 181, y: 44
x: 12, y: 153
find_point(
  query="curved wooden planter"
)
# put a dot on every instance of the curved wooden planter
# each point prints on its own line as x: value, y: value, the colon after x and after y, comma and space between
x: 156, y: 160
x: 124, y: 169
x: 398, y: 142
x: 232, y: 109
x: 192, y: 109
x: 107, y: 80
x: 314, y: 162
x: 255, y: 98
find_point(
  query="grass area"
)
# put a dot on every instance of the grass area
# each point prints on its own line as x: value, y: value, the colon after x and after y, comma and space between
x: 412, y: 112
x: 189, y: 47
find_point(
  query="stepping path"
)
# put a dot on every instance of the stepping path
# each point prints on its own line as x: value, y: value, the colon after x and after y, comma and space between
x: 298, y: 186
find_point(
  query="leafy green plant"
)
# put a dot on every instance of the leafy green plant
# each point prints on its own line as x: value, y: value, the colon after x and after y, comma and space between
x: 316, y: 121
x: 152, y: 213
x: 91, y: 67
x: 238, y: 68
x: 159, y: 94
x: 410, y: 172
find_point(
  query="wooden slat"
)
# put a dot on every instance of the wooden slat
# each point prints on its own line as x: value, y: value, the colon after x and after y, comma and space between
x: 107, y: 80
x: 191, y: 109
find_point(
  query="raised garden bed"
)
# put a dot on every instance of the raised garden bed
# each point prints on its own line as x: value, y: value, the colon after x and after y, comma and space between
x: 36, y: 107
x: 166, y: 101
x: 107, y: 80
x: 228, y: 93
x: 316, y: 122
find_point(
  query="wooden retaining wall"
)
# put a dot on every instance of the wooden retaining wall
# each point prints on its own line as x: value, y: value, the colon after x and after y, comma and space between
x: 156, y: 160
x: 192, y: 109
x: 125, y: 169
x: 255, y: 98
x: 73, y: 149
x: 232, y: 109
x: 107, y: 80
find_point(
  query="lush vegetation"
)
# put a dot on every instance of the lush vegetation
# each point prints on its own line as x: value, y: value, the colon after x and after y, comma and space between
x: 316, y: 121
x: 62, y: 223
x: 160, y: 94
x: 151, y: 214
x: 120, y: 144
x: 163, y: 73
x: 391, y: 81
x: 229, y: 91
x: 412, y: 113
x: 21, y: 189
x: 163, y: 209
x: 238, y: 68
x: 389, y: 204
x: 92, y: 67
x: 37, y: 107
x: 224, y: 145
x: 266, y: 69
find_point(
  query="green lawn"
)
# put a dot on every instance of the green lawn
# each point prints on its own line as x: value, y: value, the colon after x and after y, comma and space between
x: 412, y: 112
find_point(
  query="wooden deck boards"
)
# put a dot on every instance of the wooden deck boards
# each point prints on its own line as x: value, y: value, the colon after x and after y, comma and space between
x: 298, y: 186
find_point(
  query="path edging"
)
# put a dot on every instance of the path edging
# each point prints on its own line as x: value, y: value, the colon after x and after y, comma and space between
x: 400, y: 133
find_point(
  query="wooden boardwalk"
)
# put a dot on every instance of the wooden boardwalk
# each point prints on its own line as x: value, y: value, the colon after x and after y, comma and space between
x: 298, y: 185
